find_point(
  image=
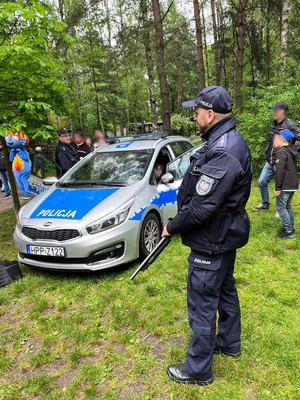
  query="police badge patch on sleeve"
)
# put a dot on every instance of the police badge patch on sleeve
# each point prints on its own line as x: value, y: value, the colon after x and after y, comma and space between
x: 204, y: 185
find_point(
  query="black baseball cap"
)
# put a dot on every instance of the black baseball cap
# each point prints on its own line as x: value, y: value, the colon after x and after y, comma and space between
x: 213, y: 98
x: 62, y: 131
x: 280, y: 106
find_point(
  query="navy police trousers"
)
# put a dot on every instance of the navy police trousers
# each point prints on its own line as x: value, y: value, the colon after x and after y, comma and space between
x: 211, y: 288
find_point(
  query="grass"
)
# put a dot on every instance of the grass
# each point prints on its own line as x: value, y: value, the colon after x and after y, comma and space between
x: 101, y: 336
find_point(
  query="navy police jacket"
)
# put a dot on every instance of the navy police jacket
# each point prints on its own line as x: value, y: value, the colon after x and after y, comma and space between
x: 211, y: 200
x: 65, y: 157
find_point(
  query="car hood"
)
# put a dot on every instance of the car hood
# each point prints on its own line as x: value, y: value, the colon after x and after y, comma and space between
x: 76, y: 204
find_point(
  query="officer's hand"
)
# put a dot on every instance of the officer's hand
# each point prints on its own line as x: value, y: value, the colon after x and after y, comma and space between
x: 277, y: 193
x: 165, y: 232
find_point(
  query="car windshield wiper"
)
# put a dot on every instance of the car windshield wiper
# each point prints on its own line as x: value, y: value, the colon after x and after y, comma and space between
x: 91, y: 183
x: 67, y: 184
x: 111, y: 184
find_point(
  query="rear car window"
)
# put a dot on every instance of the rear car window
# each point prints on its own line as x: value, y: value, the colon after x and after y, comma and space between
x: 180, y: 147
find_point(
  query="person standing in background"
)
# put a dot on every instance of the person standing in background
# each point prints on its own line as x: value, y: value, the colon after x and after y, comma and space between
x: 100, y: 139
x: 39, y: 162
x: 79, y: 144
x: 4, y: 175
x: 280, y: 121
x: 286, y: 181
x: 89, y: 143
x: 65, y: 155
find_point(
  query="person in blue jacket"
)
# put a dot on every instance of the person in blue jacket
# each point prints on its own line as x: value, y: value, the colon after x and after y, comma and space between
x: 65, y: 156
x: 213, y: 222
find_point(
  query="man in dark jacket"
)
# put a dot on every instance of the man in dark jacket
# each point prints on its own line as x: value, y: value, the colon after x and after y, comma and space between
x: 79, y: 144
x: 65, y: 156
x: 4, y: 174
x: 286, y: 181
x: 213, y: 222
x: 280, y: 121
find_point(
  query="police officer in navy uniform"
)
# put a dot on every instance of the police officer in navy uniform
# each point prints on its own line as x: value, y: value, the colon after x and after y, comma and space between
x: 213, y: 222
x: 65, y: 155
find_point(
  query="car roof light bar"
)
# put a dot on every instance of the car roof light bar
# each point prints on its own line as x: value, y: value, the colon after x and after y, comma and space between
x: 142, y: 136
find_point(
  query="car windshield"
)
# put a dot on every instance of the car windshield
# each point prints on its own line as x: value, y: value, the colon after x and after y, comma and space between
x: 115, y: 168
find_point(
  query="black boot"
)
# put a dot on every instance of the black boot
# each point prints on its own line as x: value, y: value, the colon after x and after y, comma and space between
x: 218, y: 350
x: 178, y: 374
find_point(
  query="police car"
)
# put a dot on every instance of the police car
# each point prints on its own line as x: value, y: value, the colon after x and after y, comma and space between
x: 109, y: 209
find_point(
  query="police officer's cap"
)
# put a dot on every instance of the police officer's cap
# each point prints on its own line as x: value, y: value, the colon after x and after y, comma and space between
x: 62, y: 131
x: 280, y: 106
x: 213, y: 98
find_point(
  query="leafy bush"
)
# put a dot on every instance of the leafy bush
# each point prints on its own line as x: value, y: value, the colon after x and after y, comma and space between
x: 255, y: 118
x: 181, y: 125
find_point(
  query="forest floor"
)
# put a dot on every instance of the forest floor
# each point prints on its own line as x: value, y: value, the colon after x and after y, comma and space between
x: 100, y: 336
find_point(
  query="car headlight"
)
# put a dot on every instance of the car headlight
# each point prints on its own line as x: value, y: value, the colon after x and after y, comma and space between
x: 19, y: 219
x: 110, y: 221
x: 18, y: 223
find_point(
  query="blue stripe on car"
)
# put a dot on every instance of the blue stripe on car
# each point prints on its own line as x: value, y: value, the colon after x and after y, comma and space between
x: 71, y: 203
x: 160, y: 200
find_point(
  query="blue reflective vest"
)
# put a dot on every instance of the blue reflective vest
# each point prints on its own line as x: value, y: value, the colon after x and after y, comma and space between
x: 211, y: 215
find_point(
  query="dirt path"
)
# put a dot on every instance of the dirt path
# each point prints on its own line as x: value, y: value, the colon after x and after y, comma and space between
x: 8, y: 203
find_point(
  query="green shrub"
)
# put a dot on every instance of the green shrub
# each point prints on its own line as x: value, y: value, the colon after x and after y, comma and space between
x: 181, y: 125
x: 255, y: 118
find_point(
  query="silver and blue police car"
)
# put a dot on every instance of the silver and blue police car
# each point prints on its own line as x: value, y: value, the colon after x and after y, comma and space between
x: 109, y: 209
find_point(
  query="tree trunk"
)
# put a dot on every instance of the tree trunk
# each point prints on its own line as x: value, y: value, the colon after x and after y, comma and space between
x: 58, y: 121
x: 216, y: 44
x: 205, y: 46
x: 221, y: 44
x: 11, y: 178
x: 99, y: 119
x: 284, y: 31
x: 240, y: 53
x: 149, y: 62
x: 83, y: 105
x: 164, y: 93
x: 268, y: 45
x: 199, y: 44
x: 93, y: 75
x: 179, y: 85
x: 65, y: 50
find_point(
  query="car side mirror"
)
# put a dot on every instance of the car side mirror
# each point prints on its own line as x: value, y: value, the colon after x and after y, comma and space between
x: 167, y: 178
x: 51, y: 180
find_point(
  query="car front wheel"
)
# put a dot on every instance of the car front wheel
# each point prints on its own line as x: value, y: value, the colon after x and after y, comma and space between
x: 150, y: 234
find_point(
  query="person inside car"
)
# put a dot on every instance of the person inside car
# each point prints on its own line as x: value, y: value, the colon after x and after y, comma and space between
x: 158, y: 172
x: 80, y: 145
x: 65, y: 156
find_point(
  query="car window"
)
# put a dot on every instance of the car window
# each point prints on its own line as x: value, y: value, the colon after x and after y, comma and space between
x: 115, y: 168
x: 179, y: 166
x: 42, y: 166
x: 180, y: 147
x: 162, y: 160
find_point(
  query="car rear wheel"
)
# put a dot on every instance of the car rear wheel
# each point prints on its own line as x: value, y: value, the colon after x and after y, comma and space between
x: 150, y: 234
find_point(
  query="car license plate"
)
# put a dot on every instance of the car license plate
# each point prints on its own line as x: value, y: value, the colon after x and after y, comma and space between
x: 46, y: 251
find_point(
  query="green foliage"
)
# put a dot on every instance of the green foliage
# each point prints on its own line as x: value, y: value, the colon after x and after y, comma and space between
x: 31, y: 81
x: 255, y: 118
x: 181, y: 125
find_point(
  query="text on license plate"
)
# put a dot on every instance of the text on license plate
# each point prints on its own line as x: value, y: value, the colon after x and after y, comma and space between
x: 46, y: 251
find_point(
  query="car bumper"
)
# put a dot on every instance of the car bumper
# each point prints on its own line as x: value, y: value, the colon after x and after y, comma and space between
x: 107, y: 249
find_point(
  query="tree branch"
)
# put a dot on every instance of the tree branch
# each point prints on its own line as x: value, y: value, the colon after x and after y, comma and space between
x: 168, y: 10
